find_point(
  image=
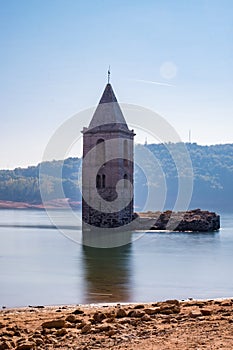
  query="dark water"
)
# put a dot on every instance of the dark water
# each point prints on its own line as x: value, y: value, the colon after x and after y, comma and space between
x: 38, y: 265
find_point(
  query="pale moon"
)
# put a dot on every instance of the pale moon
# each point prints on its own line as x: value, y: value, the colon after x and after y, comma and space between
x: 168, y: 70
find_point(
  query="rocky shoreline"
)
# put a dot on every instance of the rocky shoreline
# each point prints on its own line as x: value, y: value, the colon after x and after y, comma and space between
x: 195, y: 220
x: 165, y: 325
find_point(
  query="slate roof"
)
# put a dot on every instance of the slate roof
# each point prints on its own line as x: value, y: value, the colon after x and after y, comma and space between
x: 108, y: 114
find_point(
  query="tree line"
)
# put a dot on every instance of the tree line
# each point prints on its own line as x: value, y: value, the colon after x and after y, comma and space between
x: 212, y: 177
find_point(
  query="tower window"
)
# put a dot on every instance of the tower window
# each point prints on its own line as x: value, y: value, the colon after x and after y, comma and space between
x: 126, y: 152
x: 98, y: 181
x: 100, y: 152
x: 103, y: 180
x: 125, y: 181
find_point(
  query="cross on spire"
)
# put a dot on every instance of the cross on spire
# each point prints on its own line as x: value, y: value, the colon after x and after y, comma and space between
x: 109, y: 74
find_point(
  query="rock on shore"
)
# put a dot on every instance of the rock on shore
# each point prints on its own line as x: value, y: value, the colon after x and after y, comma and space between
x: 158, y: 326
x: 196, y: 220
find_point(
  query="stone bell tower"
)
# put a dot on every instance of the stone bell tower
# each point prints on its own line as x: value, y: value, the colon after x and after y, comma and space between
x: 107, y: 173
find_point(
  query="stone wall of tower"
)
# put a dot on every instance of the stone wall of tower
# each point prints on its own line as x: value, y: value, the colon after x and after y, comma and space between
x: 116, y: 145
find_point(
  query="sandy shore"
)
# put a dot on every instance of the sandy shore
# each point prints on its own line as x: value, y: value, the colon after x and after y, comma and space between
x: 158, y: 326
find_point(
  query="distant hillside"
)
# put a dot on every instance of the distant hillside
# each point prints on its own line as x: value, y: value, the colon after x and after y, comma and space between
x: 213, y: 175
x: 212, y: 166
x: 22, y: 185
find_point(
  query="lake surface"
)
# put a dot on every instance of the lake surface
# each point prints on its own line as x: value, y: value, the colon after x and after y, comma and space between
x: 40, y: 266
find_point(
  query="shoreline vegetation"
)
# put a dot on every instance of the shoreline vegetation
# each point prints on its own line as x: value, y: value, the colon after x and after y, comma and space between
x: 185, y: 325
x: 212, y: 168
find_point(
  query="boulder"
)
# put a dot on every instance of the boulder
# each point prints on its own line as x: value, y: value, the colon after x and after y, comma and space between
x: 54, y: 324
x: 121, y: 313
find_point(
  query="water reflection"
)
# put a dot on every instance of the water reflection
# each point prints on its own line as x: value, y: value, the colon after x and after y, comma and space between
x: 107, y: 273
x: 97, y: 237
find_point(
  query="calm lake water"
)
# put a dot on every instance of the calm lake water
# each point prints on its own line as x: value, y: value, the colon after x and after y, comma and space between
x: 40, y: 266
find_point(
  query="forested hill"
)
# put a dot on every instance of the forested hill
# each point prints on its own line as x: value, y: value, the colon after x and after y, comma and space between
x: 212, y: 167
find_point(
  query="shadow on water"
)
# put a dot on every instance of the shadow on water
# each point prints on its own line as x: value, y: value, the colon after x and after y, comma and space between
x: 107, y: 273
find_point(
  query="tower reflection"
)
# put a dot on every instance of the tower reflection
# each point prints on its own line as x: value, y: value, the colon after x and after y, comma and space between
x: 107, y: 271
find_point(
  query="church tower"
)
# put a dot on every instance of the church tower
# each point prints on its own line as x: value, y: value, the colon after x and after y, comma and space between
x: 107, y: 173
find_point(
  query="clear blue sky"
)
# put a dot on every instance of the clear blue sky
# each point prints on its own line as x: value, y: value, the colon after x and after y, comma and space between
x: 55, y: 55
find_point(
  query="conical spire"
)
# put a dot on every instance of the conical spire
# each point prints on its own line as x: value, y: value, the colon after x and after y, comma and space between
x: 108, y: 113
x: 108, y: 95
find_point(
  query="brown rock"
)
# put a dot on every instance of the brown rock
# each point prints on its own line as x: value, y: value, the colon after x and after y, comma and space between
x: 121, y: 313
x: 86, y: 329
x: 5, y: 345
x: 54, y: 324
x: 152, y: 311
x: 173, y: 302
x: 26, y: 346
x: 134, y: 322
x: 21, y: 340
x: 226, y: 303
x: 170, y: 307
x: 78, y: 312
x: 169, y: 311
x: 139, y: 306
x: 70, y: 325
x: 99, y: 316
x: 206, y: 312
x: 81, y: 325
x: 71, y: 318
x: 104, y: 327
x: 135, y: 313
x: 39, y: 341
x: 123, y: 321
x: 9, y: 334
x: 146, y: 318
x: 195, y: 313
x: 61, y: 332
x: 111, y: 332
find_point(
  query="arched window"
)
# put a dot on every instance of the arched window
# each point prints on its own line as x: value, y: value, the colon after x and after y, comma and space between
x: 98, y: 181
x: 125, y: 181
x: 126, y: 152
x: 100, y: 152
x: 103, y: 180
